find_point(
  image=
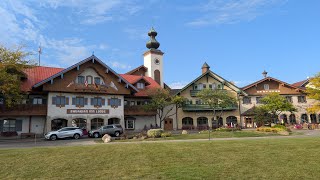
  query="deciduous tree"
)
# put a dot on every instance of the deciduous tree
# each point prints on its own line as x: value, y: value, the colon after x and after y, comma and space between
x: 313, y: 90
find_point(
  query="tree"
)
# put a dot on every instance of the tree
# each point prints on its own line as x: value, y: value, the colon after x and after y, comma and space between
x: 12, y: 64
x: 261, y: 116
x: 275, y: 104
x: 163, y: 103
x: 313, y: 91
x: 217, y: 100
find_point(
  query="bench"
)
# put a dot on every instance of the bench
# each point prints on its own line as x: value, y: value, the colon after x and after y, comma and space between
x: 27, y: 135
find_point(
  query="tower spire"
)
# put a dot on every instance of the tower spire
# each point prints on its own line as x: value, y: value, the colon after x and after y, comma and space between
x: 152, y: 43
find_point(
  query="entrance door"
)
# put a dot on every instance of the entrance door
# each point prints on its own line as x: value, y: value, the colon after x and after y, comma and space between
x: 168, y: 124
x: 249, y: 123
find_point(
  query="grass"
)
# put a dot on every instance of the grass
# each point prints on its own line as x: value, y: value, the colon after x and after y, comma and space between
x: 241, y: 159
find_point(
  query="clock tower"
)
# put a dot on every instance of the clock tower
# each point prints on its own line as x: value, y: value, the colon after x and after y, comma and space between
x: 153, y: 58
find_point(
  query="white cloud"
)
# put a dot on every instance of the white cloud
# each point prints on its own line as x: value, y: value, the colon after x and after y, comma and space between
x: 177, y: 85
x: 118, y: 65
x: 217, y: 12
x: 242, y: 83
x: 136, y: 33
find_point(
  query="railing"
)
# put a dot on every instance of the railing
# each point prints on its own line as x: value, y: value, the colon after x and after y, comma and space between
x: 205, y: 107
x: 138, y: 111
x: 193, y: 93
x: 24, y: 110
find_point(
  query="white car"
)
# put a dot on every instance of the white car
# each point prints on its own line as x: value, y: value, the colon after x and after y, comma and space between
x: 74, y: 132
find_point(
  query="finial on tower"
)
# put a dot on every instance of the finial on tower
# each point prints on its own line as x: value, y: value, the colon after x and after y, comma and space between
x: 265, y: 73
x: 152, y: 43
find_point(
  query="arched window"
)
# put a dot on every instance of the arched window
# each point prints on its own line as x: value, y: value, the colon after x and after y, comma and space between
x: 58, y: 124
x: 313, y: 118
x: 292, y: 118
x: 96, y: 123
x: 232, y: 119
x: 202, y: 121
x: 113, y: 121
x: 79, y: 122
x: 157, y: 76
x: 218, y: 122
x: 187, y: 121
x: 304, y: 118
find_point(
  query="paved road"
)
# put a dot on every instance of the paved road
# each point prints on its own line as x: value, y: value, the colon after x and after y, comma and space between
x: 28, y: 143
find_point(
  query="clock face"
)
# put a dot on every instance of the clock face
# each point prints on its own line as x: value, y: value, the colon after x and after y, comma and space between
x: 157, y: 61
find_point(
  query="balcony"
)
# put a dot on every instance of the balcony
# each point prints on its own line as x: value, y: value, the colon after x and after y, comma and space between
x: 204, y: 107
x: 24, y: 110
x: 193, y: 93
x: 137, y: 111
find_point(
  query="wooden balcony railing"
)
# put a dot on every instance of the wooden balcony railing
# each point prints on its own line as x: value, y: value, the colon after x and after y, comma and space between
x: 204, y: 107
x: 24, y: 110
x: 137, y: 111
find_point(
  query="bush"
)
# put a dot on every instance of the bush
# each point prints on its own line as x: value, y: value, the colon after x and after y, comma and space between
x: 154, y: 133
x: 279, y: 126
x: 227, y: 129
x: 166, y: 134
x: 271, y: 129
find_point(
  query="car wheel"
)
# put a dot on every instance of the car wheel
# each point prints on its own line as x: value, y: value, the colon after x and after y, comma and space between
x: 53, y: 137
x: 76, y: 136
x: 117, y: 133
x: 96, y: 135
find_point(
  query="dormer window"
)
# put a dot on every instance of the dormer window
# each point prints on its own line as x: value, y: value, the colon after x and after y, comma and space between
x: 266, y: 86
x: 140, y: 85
x: 97, y: 80
x: 81, y: 79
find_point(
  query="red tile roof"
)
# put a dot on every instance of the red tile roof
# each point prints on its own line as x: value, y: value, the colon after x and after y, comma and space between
x: 142, y: 92
x: 300, y: 83
x: 37, y: 74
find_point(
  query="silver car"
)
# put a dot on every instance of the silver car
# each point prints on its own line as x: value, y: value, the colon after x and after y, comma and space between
x: 113, y: 129
x: 74, y: 132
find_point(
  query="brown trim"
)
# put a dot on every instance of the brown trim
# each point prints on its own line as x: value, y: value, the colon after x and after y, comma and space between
x: 270, y: 78
x: 137, y: 69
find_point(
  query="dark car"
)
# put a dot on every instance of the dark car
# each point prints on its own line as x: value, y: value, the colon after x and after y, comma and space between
x: 113, y: 129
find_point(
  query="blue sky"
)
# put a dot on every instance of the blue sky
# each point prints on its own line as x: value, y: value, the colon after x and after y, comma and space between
x: 237, y: 38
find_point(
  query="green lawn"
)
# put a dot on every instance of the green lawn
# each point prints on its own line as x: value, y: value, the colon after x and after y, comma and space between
x: 241, y: 159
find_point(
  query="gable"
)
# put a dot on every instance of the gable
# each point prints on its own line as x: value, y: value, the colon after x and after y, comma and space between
x: 66, y: 81
x: 139, y: 71
x: 260, y: 87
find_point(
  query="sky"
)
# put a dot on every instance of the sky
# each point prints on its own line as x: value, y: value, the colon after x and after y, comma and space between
x: 239, y: 39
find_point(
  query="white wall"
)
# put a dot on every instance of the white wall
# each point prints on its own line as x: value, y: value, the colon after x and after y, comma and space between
x: 149, y: 62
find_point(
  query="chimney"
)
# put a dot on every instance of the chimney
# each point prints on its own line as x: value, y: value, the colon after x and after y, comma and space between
x: 205, y: 68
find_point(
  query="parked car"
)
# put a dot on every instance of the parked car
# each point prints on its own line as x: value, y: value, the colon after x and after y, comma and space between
x: 114, y: 129
x: 74, y: 132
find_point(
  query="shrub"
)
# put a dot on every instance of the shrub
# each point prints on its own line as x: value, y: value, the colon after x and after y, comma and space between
x: 154, y: 133
x: 279, y: 126
x: 271, y: 129
x: 166, y: 134
x: 227, y: 129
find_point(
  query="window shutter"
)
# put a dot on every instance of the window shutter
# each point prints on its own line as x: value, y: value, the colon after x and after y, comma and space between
x: 119, y: 102
x: 85, y: 101
x: 1, y: 125
x: 67, y: 100
x: 18, y: 125
x: 92, y: 101
x: 103, y: 101
x: 54, y: 100
x: 73, y: 101
x: 109, y: 102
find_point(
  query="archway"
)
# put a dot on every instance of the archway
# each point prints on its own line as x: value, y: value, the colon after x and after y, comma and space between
x: 231, y: 119
x: 96, y: 123
x: 80, y: 122
x: 216, y: 123
x: 304, y: 118
x: 187, y: 123
x: 58, y: 124
x: 157, y: 76
x: 313, y: 118
x: 202, y: 123
x: 284, y: 118
x: 292, y: 119
x: 113, y: 121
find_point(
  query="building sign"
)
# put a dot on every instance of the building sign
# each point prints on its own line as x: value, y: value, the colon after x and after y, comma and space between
x: 87, y: 111
x: 205, y: 114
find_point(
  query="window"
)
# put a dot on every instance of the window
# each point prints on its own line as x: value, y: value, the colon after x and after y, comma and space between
x: 81, y: 79
x: 200, y: 87
x: 198, y: 102
x: 37, y: 100
x: 140, y: 85
x: 60, y: 101
x: 89, y: 79
x: 266, y: 86
x: 79, y: 101
x: 289, y: 98
x: 132, y: 103
x: 10, y: 125
x: 97, y: 80
x: 202, y: 121
x: 81, y: 123
x: 139, y: 103
x: 187, y: 121
x: 96, y: 123
x: 97, y: 102
x: 125, y: 102
x: 212, y: 86
x: 258, y: 99
x: 302, y: 99
x: 246, y: 100
x: 219, y: 86
x: 114, y: 102
x: 129, y: 124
